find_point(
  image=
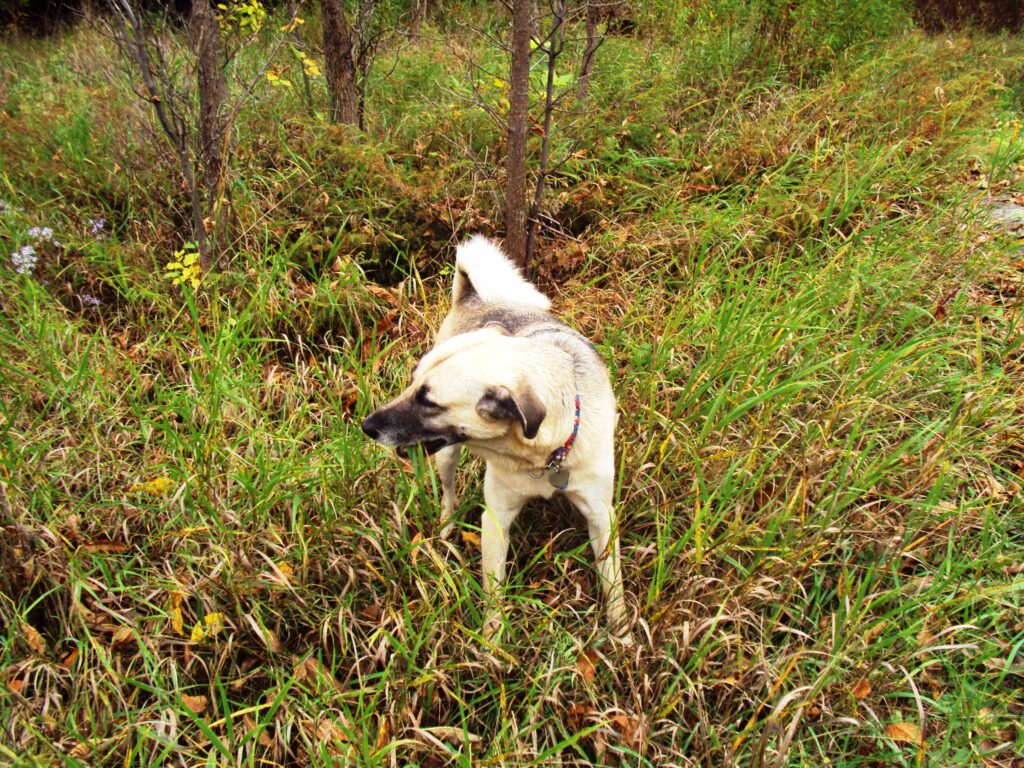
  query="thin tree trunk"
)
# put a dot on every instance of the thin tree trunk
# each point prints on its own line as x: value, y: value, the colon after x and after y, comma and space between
x: 587, y: 68
x: 212, y: 129
x: 518, y: 115
x: 554, y: 48
x: 339, y: 64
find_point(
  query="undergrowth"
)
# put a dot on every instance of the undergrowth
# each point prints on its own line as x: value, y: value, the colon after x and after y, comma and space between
x: 814, y: 337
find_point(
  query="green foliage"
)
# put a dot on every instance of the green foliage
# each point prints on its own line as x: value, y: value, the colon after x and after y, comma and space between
x: 241, y: 17
x: 803, y: 37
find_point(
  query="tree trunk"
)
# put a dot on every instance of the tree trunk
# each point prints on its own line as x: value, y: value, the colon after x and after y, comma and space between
x: 518, y: 116
x: 587, y: 68
x: 554, y: 47
x: 204, y: 31
x: 339, y: 65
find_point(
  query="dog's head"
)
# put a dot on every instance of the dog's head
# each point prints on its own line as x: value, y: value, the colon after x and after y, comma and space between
x: 470, y: 388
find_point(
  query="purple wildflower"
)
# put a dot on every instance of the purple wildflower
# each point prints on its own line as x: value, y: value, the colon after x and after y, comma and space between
x: 89, y: 301
x: 96, y: 227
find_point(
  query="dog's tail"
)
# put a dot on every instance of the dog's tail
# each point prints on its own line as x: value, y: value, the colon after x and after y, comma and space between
x: 481, y: 269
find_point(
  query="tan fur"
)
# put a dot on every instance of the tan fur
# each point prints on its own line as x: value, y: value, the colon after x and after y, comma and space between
x: 499, y: 366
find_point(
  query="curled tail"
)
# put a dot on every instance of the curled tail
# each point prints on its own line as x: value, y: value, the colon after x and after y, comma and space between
x: 482, y: 270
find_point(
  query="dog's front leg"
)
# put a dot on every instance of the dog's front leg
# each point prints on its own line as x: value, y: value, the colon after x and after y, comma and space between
x: 597, y: 508
x: 447, y: 461
x: 502, y: 506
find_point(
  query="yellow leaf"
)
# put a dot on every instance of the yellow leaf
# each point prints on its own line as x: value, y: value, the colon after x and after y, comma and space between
x: 158, y: 486
x: 907, y: 732
x: 190, y: 259
x: 212, y: 624
x: 177, y: 622
x: 281, y: 573
x: 471, y: 538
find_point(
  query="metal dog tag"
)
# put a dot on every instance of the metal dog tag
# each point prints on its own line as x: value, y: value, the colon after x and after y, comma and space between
x: 559, y: 478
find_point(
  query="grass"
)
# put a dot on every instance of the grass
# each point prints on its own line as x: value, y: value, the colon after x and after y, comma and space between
x: 814, y: 334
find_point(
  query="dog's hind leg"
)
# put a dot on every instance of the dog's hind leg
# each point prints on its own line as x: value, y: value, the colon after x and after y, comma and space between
x: 599, y: 513
x: 447, y: 461
x: 502, y: 507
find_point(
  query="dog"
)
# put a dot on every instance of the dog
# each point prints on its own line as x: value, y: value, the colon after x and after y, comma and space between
x: 528, y: 395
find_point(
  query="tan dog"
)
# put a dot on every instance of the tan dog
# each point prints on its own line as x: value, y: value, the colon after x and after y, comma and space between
x: 528, y: 395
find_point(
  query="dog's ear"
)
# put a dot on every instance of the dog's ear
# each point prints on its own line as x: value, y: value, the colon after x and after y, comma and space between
x: 523, y: 405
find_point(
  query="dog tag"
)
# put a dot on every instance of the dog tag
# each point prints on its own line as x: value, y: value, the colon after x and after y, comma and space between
x: 559, y: 478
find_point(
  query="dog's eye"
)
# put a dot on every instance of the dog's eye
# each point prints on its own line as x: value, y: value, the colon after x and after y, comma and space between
x: 423, y: 398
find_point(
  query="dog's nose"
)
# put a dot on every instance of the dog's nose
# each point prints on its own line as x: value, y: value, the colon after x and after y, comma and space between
x: 370, y: 428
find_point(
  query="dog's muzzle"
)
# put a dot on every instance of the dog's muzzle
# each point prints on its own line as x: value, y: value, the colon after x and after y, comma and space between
x: 373, y: 426
x: 380, y: 426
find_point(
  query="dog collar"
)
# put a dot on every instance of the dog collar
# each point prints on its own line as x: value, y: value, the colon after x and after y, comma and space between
x: 558, y: 476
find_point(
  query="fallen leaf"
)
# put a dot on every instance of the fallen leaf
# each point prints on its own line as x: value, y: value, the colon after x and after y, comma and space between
x: 585, y: 666
x: 381, y: 293
x: 177, y: 622
x: 875, y: 631
x: 123, y: 638
x: 35, y: 640
x: 328, y: 735
x: 196, y: 703
x: 373, y: 612
x: 80, y: 751
x: 861, y: 690
x: 471, y: 538
x: 281, y: 573
x: 211, y: 625
x: 907, y: 732
x: 312, y: 670
x: 264, y: 738
x: 577, y: 715
x: 16, y: 685
x: 629, y: 729
x: 116, y: 547
x: 68, y: 662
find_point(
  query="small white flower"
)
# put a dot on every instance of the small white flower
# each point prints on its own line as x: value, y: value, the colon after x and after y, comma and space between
x: 43, y: 233
x: 24, y: 260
